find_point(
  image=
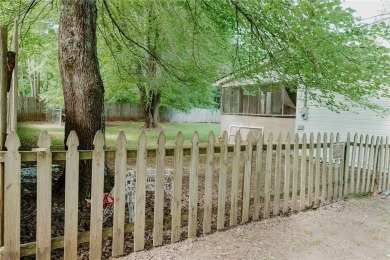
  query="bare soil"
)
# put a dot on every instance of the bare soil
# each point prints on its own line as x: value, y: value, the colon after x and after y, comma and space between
x: 358, y: 228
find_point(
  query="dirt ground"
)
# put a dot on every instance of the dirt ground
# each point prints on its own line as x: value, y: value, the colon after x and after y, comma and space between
x: 358, y: 228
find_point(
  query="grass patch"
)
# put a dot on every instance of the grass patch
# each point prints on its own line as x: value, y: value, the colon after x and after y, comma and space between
x: 29, y: 133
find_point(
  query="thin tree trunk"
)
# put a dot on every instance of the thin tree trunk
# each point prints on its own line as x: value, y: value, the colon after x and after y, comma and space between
x: 82, y: 84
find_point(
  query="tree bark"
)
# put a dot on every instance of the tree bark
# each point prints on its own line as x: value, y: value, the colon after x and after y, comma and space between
x: 82, y: 84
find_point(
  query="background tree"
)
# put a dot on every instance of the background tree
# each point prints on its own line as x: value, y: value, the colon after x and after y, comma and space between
x: 172, y: 49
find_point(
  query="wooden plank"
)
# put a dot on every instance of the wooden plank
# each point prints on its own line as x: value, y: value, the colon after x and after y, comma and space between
x: 310, y: 173
x: 380, y: 164
x: 365, y: 161
x: 140, y: 195
x: 97, y: 190
x: 159, y: 191
x: 303, y: 174
x: 372, y: 159
x: 235, y: 180
x: 208, y: 189
x: 388, y: 167
x: 359, y: 165
x: 118, y: 238
x: 246, y: 187
x: 71, y: 197
x: 13, y: 93
x: 222, y: 182
x: 44, y: 195
x: 330, y: 169
x: 374, y: 183
x: 353, y: 161
x: 258, y: 177
x: 3, y: 118
x: 268, y: 175
x: 193, y: 196
x: 347, y: 163
x: 294, y: 196
x: 336, y: 173
x: 324, y: 169
x: 177, y: 189
x: 12, y: 203
x: 318, y: 172
x: 278, y: 169
x: 385, y: 164
x: 287, y: 176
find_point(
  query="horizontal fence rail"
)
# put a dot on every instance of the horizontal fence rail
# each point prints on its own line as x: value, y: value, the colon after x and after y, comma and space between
x: 212, y: 186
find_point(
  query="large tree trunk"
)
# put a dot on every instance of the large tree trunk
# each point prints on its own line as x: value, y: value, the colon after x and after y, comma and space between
x: 82, y: 84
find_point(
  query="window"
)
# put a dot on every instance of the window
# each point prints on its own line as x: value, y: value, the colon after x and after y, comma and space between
x: 243, y: 101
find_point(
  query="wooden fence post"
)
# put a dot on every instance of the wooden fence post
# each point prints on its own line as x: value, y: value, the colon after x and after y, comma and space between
x: 13, y: 93
x: 140, y: 194
x: 246, y: 186
x: 3, y: 119
x: 259, y: 177
x: 235, y: 179
x: 159, y: 191
x: 193, y: 196
x: 71, y: 197
x: 287, y: 176
x: 12, y: 198
x: 278, y: 170
x: 118, y: 238
x: 222, y: 182
x: 295, y: 179
x: 97, y: 189
x: 324, y: 168
x: 44, y: 195
x: 302, y: 187
x: 268, y: 176
x: 208, y: 189
x: 177, y: 189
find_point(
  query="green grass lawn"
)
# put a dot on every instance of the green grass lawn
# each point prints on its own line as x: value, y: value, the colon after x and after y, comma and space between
x: 29, y: 133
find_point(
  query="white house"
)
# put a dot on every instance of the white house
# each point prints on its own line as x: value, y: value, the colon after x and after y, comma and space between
x: 246, y: 110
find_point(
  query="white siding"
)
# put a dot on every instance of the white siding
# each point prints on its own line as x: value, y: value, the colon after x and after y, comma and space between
x: 361, y: 121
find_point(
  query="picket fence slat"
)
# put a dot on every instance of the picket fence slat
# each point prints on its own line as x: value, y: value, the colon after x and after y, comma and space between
x: 268, y: 175
x: 294, y: 197
x: 374, y: 184
x: 97, y: 189
x: 44, y: 197
x: 385, y: 164
x: 208, y: 189
x: 353, y: 161
x: 359, y: 164
x: 330, y: 169
x: 318, y: 171
x: 346, y: 163
x: 140, y: 195
x: 324, y: 169
x: 388, y: 165
x: 258, y: 177
x: 365, y: 162
x: 12, y: 211
x: 177, y: 189
x: 246, y: 187
x: 380, y: 166
x: 310, y: 175
x: 287, y: 176
x: 302, y: 187
x: 159, y: 191
x: 119, y: 197
x: 337, y: 173
x: 235, y: 180
x: 222, y: 182
x: 372, y: 163
x: 193, y: 196
x: 278, y: 169
x: 71, y: 197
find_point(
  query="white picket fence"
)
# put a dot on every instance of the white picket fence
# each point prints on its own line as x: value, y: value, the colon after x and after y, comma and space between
x: 263, y: 176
